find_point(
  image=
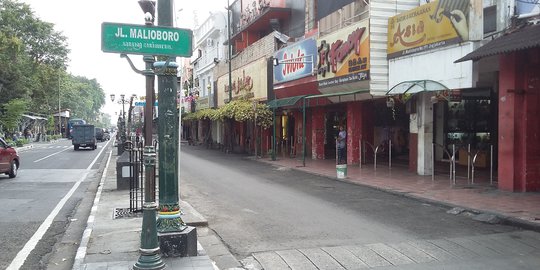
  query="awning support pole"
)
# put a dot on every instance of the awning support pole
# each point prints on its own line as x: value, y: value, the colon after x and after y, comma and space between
x: 274, y: 136
x: 304, y: 133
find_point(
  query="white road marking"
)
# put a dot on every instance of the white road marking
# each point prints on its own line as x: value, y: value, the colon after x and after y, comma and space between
x: 19, y: 260
x: 81, y: 251
x: 38, y: 160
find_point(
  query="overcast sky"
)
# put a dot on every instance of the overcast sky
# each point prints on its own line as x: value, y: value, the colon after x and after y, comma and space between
x: 80, y: 22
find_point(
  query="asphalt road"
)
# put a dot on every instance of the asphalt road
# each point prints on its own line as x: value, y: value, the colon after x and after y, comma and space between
x: 256, y: 208
x: 39, y: 203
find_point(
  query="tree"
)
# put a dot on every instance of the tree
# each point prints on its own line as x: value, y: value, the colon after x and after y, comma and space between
x: 11, y: 114
x: 30, y: 52
x: 33, y: 61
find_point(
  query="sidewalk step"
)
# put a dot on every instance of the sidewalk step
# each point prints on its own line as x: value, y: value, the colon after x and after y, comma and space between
x: 444, y: 251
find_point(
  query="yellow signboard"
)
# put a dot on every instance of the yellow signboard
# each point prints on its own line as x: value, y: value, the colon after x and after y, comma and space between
x: 249, y: 82
x: 435, y: 24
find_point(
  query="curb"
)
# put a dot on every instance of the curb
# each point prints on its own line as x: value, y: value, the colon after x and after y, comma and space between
x: 81, y: 251
x: 24, y: 148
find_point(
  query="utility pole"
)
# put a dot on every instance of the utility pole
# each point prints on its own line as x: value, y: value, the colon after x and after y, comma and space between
x: 229, y: 49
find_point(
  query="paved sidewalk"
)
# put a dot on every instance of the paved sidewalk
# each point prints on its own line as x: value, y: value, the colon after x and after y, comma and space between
x: 521, y: 209
x: 110, y: 243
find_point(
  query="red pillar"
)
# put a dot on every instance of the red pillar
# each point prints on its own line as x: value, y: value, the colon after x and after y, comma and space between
x: 317, y: 133
x: 368, y: 126
x: 354, y: 131
x: 519, y: 127
x: 309, y: 134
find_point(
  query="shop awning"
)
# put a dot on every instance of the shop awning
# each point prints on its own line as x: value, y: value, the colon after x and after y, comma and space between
x: 338, y: 97
x: 284, y: 102
x: 413, y: 87
x: 522, y: 39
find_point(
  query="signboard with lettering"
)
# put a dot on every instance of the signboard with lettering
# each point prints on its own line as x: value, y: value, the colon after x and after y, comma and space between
x: 143, y: 39
x: 143, y: 103
x: 295, y: 61
x: 429, y: 26
x: 343, y: 56
x: 248, y: 82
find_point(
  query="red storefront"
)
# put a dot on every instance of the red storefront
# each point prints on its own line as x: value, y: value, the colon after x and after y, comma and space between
x: 322, y: 85
x: 519, y: 106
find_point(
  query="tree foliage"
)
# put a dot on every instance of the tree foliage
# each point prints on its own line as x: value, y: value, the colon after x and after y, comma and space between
x: 33, y: 62
x: 11, y: 113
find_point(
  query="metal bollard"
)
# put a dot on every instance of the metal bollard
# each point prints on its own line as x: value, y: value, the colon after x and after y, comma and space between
x: 390, y: 154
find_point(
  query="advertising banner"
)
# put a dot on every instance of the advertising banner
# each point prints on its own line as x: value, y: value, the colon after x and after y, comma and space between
x: 433, y: 25
x: 343, y: 56
x: 295, y: 61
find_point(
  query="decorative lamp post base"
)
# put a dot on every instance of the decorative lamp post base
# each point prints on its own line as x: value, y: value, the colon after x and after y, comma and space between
x: 147, y: 262
x: 150, y: 258
x: 179, y: 244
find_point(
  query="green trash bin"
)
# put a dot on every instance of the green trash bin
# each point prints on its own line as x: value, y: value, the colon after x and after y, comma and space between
x: 341, y: 170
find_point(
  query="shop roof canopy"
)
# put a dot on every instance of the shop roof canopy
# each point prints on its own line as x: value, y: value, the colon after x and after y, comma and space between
x: 355, y: 95
x: 414, y: 87
x: 521, y: 39
x: 284, y: 102
x: 338, y: 97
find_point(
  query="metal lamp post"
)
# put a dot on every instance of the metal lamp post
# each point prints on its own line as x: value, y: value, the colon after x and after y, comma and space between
x: 151, y: 248
x: 122, y: 124
x: 130, y: 115
x: 150, y: 257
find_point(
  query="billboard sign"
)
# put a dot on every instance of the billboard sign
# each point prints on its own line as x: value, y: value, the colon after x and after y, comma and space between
x: 295, y: 61
x: 429, y: 26
x: 343, y: 56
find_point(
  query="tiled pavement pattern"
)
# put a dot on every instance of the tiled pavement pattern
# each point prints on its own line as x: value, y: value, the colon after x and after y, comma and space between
x: 448, y: 251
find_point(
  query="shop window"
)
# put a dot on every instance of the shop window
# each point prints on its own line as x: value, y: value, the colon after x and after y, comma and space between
x: 469, y: 124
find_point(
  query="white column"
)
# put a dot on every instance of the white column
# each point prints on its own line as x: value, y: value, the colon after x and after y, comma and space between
x: 425, y: 133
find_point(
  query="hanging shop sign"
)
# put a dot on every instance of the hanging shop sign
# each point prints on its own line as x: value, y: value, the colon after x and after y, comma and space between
x: 427, y: 27
x: 248, y: 82
x: 295, y: 61
x: 343, y: 56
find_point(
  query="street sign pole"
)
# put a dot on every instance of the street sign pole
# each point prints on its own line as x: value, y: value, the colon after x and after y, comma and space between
x: 150, y: 257
x: 166, y: 43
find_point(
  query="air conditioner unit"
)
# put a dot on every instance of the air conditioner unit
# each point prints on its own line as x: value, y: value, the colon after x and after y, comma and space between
x: 209, y: 42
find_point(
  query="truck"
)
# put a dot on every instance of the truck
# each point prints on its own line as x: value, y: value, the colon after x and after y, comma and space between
x: 84, y: 135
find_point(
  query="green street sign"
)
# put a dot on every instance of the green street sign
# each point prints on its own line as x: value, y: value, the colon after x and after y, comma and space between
x: 146, y: 39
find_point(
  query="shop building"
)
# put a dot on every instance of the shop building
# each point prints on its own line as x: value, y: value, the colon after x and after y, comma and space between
x: 209, y: 39
x: 458, y: 110
x: 449, y: 104
x: 345, y: 87
x: 258, y: 29
x: 516, y: 54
